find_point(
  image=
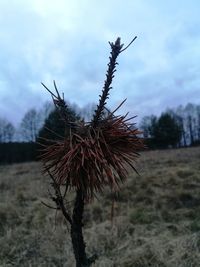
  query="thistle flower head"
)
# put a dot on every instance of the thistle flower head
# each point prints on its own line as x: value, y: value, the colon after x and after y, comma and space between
x: 93, y: 158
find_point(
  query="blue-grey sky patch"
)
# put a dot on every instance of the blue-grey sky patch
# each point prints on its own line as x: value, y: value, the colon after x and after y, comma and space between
x: 67, y: 41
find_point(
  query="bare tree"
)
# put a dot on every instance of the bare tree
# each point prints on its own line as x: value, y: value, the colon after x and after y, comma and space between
x: 87, y: 111
x: 198, y: 122
x: 7, y: 131
x: 10, y: 131
x: 44, y: 112
x: 145, y: 126
x: 30, y: 126
x: 188, y: 119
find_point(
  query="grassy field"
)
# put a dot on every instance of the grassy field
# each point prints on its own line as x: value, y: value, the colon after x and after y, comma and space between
x: 156, y: 222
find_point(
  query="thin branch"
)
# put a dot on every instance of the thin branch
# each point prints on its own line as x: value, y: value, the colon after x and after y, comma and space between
x: 112, y: 113
x: 55, y: 86
x: 53, y: 132
x: 65, y: 192
x: 48, y: 90
x: 48, y: 206
x: 128, y: 44
x: 59, y: 199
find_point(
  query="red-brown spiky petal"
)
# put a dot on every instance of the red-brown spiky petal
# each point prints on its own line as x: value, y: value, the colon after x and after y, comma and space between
x: 95, y: 159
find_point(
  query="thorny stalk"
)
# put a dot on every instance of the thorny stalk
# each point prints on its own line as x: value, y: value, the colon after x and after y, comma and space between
x: 93, y: 156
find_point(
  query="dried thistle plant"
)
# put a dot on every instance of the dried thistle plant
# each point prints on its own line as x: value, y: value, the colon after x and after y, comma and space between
x: 94, y: 155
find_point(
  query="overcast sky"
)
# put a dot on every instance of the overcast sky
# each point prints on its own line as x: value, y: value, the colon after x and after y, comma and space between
x: 67, y: 41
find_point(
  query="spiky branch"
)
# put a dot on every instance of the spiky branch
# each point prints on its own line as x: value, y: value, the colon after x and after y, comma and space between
x: 116, y: 49
x: 61, y: 106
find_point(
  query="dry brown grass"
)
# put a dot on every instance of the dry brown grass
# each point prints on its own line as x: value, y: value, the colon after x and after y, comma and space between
x: 156, y: 223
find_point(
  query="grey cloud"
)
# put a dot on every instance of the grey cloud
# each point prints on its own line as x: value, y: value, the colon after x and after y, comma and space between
x: 68, y: 43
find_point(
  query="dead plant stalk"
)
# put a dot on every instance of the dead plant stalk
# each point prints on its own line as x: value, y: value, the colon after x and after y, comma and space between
x: 94, y: 155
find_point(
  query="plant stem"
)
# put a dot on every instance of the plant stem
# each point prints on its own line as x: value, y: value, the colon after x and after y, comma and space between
x: 77, y: 235
x: 76, y: 231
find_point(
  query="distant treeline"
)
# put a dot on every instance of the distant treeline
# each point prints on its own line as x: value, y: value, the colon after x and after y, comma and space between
x: 14, y: 152
x: 178, y: 127
x: 33, y: 135
x: 33, y: 121
x: 173, y: 128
